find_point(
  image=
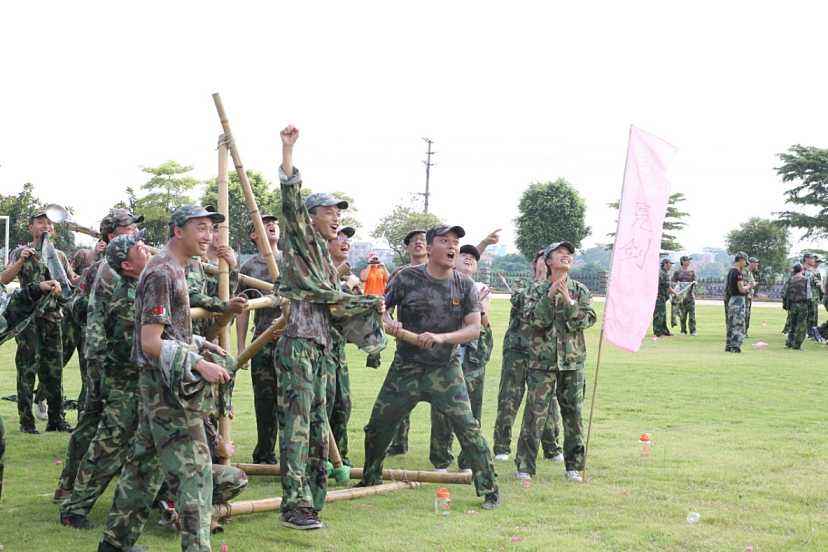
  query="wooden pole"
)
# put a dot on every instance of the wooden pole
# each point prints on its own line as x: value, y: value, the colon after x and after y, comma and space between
x: 456, y: 478
x: 223, y: 277
x: 225, y: 511
x: 256, y: 345
x: 250, y: 200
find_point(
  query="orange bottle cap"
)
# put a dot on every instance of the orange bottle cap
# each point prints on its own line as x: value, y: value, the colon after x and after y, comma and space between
x: 442, y: 492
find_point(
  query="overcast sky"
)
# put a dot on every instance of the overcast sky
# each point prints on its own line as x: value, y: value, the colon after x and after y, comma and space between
x: 511, y: 92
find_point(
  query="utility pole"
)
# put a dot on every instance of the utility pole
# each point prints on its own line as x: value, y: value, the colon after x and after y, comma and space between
x: 428, y: 164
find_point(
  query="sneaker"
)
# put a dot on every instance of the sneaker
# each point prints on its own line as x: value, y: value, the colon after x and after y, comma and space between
x: 491, y: 501
x: 61, y: 494
x: 41, y: 411
x: 26, y: 428
x: 76, y: 522
x: 523, y: 476
x: 557, y: 458
x: 574, y: 476
x: 62, y: 426
x: 466, y: 471
x: 302, y: 519
x: 440, y: 470
x: 693, y: 334
x: 501, y: 457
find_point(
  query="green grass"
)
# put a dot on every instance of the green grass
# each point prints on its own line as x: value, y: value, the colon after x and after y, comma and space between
x: 741, y: 439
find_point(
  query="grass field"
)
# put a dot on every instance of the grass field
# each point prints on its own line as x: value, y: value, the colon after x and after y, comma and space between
x: 740, y: 439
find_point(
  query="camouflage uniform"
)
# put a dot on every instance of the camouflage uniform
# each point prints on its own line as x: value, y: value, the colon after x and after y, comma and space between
x: 513, y: 376
x: 97, y: 348
x: 797, y: 304
x: 556, y: 368
x: 750, y: 279
x: 660, y: 312
x: 816, y: 299
x: 687, y: 314
x: 170, y: 437
x: 40, y: 345
x: 74, y: 321
x: 16, y: 312
x: 203, y: 290
x: 433, y: 375
x: 263, y: 371
x: 105, y: 455
x: 735, y: 313
x: 475, y: 356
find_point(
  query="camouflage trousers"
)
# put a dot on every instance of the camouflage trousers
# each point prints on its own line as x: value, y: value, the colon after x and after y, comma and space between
x: 2, y: 452
x: 263, y: 373
x: 88, y: 421
x: 228, y: 483
x: 787, y: 327
x: 813, y: 313
x: 105, y: 455
x: 405, y: 385
x: 399, y: 444
x: 303, y: 423
x: 40, y: 353
x: 748, y: 308
x: 660, y: 318
x: 735, y: 322
x: 687, y: 315
x: 338, y: 400
x: 474, y: 361
x: 798, y: 327
x: 675, y: 311
x: 169, y: 441
x: 74, y: 338
x: 512, y: 387
x: 542, y: 385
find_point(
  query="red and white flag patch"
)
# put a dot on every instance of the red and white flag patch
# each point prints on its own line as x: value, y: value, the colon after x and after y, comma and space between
x: 160, y: 310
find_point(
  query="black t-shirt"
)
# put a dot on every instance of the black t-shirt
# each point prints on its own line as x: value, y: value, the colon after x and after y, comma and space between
x: 733, y: 279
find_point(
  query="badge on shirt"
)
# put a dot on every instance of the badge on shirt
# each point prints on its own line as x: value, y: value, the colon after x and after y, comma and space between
x: 160, y: 310
x: 455, y: 301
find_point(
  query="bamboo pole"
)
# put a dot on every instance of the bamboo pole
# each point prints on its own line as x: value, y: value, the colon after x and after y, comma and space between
x: 250, y: 200
x: 256, y: 345
x: 224, y: 422
x: 456, y: 478
x: 226, y: 511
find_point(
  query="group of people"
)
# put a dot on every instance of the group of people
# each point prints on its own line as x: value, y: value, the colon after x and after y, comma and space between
x: 149, y: 411
x: 802, y: 294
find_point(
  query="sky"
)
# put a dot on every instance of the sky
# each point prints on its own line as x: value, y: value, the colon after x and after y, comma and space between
x: 511, y: 93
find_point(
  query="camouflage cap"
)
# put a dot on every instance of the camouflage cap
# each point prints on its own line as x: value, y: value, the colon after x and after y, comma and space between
x: 37, y: 214
x: 807, y: 255
x: 347, y: 230
x: 553, y: 246
x: 740, y: 255
x: 118, y: 249
x: 117, y: 218
x: 753, y: 260
x: 324, y: 199
x: 470, y: 250
x: 181, y: 215
x: 442, y: 230
x: 407, y: 238
x: 685, y: 258
x: 265, y: 220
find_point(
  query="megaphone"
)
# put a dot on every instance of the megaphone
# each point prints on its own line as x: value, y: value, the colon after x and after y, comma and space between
x: 59, y: 215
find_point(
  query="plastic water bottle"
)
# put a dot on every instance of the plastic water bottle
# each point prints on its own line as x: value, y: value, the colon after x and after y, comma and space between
x: 646, y: 445
x: 442, y: 501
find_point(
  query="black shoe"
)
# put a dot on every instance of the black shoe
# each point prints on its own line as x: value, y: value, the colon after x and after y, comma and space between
x: 491, y: 501
x: 396, y: 451
x: 269, y: 460
x: 26, y: 428
x: 104, y: 546
x: 303, y: 519
x: 62, y: 426
x: 736, y: 350
x: 76, y: 522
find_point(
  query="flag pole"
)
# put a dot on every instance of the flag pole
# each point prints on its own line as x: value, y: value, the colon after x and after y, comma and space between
x: 604, y: 313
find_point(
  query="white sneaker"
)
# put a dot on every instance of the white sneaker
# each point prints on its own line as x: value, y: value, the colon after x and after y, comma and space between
x: 501, y: 457
x: 441, y: 470
x: 42, y: 411
x: 557, y: 458
x: 466, y: 471
x: 574, y: 476
x: 523, y: 476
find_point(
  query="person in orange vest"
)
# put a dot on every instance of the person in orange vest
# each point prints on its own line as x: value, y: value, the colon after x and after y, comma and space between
x: 374, y: 276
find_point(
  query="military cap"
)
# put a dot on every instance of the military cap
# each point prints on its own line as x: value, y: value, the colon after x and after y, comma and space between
x: 666, y: 260
x: 324, y: 199
x: 265, y: 220
x: 470, y: 250
x: 553, y: 246
x: 797, y: 268
x: 117, y: 218
x: 740, y: 255
x: 685, y: 258
x: 807, y: 255
x: 181, y: 215
x: 753, y: 260
x: 407, y: 238
x: 118, y: 249
x: 347, y: 230
x: 442, y: 230
x: 37, y: 214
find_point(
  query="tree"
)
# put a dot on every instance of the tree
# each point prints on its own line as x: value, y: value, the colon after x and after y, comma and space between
x: 166, y: 191
x: 807, y: 166
x: 765, y: 239
x: 673, y: 222
x: 402, y: 220
x: 511, y: 263
x: 550, y: 212
x: 19, y: 208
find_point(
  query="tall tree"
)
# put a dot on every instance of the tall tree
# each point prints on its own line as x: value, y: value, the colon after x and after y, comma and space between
x: 807, y: 168
x: 765, y: 239
x: 18, y: 207
x: 402, y: 220
x: 673, y: 222
x: 167, y: 190
x: 549, y: 212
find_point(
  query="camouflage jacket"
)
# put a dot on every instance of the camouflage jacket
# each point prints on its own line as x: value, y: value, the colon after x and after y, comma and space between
x: 16, y: 309
x: 119, y: 328
x: 818, y: 290
x: 682, y: 275
x: 518, y: 333
x: 256, y: 267
x: 663, y: 285
x: 34, y: 271
x: 795, y: 290
x: 749, y: 279
x: 97, y: 341
x: 558, y: 328
x: 203, y: 288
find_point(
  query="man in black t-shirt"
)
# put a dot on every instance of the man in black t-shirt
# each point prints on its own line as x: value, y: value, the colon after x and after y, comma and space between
x: 737, y: 289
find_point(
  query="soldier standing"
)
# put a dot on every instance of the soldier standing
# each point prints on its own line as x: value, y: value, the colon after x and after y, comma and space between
x: 797, y: 303
x: 263, y: 373
x: 170, y: 437
x: 664, y: 291
x: 736, y: 289
x: 442, y: 307
x: 558, y: 311
x: 40, y: 345
x: 811, y: 261
x: 751, y: 271
x: 688, y: 302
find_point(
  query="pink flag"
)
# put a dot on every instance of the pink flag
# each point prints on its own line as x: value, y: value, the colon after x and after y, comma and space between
x: 634, y: 273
